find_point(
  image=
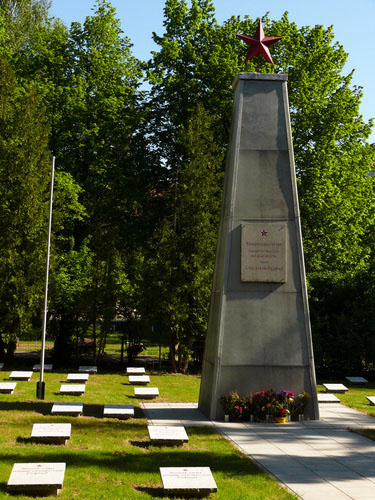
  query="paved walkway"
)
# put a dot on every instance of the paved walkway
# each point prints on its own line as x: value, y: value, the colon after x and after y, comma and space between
x: 316, y: 460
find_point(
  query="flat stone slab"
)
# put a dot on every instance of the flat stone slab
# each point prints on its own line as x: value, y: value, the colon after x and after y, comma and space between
x: 139, y: 379
x: 357, y: 380
x: 77, y: 377
x: 44, y: 478
x: 167, y: 434
x: 73, y: 409
x: 146, y: 392
x: 118, y: 411
x: 51, y: 433
x: 134, y: 370
x: 181, y: 480
x: 327, y: 398
x: 335, y: 388
x: 88, y: 369
x: 7, y: 387
x: 75, y: 389
x: 47, y: 368
x: 1, y: 366
x: 20, y: 375
x: 371, y: 399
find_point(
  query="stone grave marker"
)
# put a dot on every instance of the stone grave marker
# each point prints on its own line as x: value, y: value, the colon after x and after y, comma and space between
x: 371, y: 399
x: 71, y: 409
x: 139, y: 379
x: 335, y: 388
x: 357, y: 380
x: 74, y: 389
x: 88, y: 369
x: 135, y: 370
x: 327, y: 398
x: 51, y: 433
x: 146, y: 392
x: 1, y: 366
x: 47, y: 368
x: 20, y: 375
x: 78, y: 377
x: 7, y: 387
x: 37, y: 478
x: 118, y: 411
x: 187, y: 480
x: 167, y: 434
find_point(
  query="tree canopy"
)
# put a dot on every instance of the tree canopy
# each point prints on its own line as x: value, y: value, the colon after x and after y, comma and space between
x: 139, y: 171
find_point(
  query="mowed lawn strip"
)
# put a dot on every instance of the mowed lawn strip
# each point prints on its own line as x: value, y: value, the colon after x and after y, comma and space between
x: 112, y: 459
x: 356, y: 397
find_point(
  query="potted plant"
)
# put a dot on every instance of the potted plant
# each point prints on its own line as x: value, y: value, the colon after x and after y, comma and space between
x: 282, y: 415
x: 228, y: 403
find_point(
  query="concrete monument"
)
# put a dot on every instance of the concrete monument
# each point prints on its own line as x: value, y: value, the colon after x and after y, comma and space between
x: 259, y: 333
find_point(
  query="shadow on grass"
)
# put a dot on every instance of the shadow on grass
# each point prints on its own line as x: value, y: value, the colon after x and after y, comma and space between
x: 149, y: 461
x: 158, y: 492
x: 153, y: 491
x: 141, y: 444
x: 38, y: 407
x: 23, y: 440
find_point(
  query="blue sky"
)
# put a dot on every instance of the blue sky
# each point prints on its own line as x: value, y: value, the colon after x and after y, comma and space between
x: 353, y: 23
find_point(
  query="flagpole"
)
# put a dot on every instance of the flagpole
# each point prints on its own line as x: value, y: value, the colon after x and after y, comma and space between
x: 40, y: 386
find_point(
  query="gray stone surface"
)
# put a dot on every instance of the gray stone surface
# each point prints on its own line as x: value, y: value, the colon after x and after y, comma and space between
x: 146, y: 392
x: 118, y: 411
x: 341, y: 388
x: 327, y: 398
x: 20, y: 375
x: 7, y: 387
x: 73, y: 389
x: 371, y: 400
x: 167, y: 434
x: 72, y: 409
x: 179, y: 480
x: 51, y: 433
x: 46, y: 478
x: 357, y: 380
x: 139, y: 379
x: 135, y: 370
x: 259, y: 334
x: 88, y: 369
x: 1, y: 366
x: 78, y: 377
x: 47, y: 368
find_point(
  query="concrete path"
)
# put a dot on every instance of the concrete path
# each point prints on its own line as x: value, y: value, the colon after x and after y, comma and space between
x: 316, y: 460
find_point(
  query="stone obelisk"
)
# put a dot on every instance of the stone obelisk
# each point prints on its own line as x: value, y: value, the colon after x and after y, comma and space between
x: 259, y: 334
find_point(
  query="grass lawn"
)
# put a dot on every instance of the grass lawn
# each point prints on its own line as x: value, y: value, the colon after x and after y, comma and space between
x: 356, y: 397
x: 110, y: 459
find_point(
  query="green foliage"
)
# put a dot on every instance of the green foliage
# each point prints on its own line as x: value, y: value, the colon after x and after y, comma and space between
x: 24, y: 184
x: 139, y: 174
x: 183, y: 247
x: 20, y: 18
x: 197, y: 61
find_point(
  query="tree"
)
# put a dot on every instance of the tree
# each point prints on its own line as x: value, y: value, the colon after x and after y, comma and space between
x: 20, y: 18
x: 197, y: 61
x: 89, y: 80
x: 180, y: 264
x: 24, y: 184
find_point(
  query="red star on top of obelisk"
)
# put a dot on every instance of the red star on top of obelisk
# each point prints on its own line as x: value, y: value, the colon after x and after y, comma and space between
x: 259, y: 44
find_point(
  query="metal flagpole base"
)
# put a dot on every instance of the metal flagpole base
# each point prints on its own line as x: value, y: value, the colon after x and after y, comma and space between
x: 40, y: 389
